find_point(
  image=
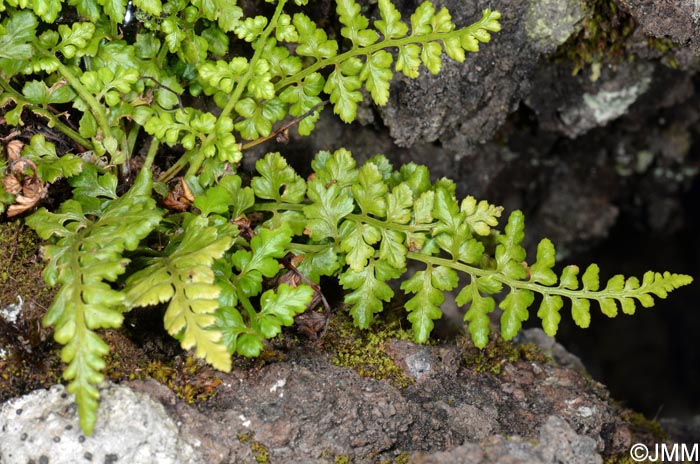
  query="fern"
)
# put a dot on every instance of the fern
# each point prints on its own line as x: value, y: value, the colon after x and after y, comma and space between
x: 185, y: 278
x: 87, y: 254
x: 365, y: 235
x: 214, y: 262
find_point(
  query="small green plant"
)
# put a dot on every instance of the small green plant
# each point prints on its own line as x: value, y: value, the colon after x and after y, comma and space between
x: 211, y: 255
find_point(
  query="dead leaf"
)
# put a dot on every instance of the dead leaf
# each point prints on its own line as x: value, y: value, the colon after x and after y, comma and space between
x: 14, y: 147
x: 20, y: 166
x: 180, y: 198
x: 11, y: 184
x: 33, y: 190
x: 28, y: 187
x: 312, y: 324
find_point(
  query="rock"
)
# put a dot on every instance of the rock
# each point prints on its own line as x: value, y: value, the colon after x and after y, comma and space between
x: 573, y: 105
x: 678, y: 20
x: 557, y: 443
x: 550, y: 23
x: 551, y: 348
x: 471, y: 100
x: 305, y: 409
x: 42, y: 427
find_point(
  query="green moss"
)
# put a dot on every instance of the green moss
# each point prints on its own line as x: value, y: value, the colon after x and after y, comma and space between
x: 640, y: 425
x: 341, y: 459
x: 364, y: 351
x: 27, y: 357
x: 498, y: 353
x: 665, y: 47
x: 21, y: 267
x: 260, y: 452
x: 602, y: 39
x: 190, y: 379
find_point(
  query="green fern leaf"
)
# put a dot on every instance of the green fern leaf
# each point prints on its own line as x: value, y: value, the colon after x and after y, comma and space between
x: 369, y: 290
x: 377, y: 76
x: 541, y: 271
x: 481, y: 216
x: 569, y: 279
x: 186, y: 279
x: 398, y: 211
x: 313, y: 41
x: 320, y: 263
x: 424, y: 307
x: 87, y: 253
x: 549, y: 313
x: 590, y: 279
x: 370, y: 190
x: 19, y: 30
x: 355, y: 24
x: 277, y: 180
x: 262, y: 259
x: 399, y: 203
x: 49, y: 166
x: 509, y: 254
x: 581, y: 312
x: 226, y: 197
x: 408, y: 60
x: 477, y: 316
x: 431, y: 56
x: 357, y: 241
x: 285, y: 30
x: 390, y: 25
x: 222, y: 75
x: 343, y: 86
x: 278, y: 308
x: 152, y: 7
x: 515, y: 311
x: 335, y: 168
x: 421, y: 18
x: 451, y: 232
x: 258, y: 117
x: 230, y: 324
x: 302, y: 98
x: 329, y: 205
x: 250, y: 28
x: 75, y: 39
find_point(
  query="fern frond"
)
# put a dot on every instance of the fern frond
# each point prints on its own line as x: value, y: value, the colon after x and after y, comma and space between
x: 186, y: 279
x: 85, y: 254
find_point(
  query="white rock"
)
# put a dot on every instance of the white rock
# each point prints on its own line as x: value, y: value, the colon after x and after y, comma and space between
x: 132, y: 428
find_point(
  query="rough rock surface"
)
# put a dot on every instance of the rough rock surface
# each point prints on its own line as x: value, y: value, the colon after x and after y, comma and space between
x: 305, y: 409
x: 41, y: 427
x: 512, y: 126
x: 556, y: 443
x: 679, y: 20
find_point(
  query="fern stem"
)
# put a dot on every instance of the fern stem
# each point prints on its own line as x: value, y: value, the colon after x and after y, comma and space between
x: 151, y: 155
x: 95, y: 106
x: 520, y: 284
x: 250, y: 311
x: 198, y: 159
x: 387, y: 43
x: 359, y: 218
x: 54, y: 121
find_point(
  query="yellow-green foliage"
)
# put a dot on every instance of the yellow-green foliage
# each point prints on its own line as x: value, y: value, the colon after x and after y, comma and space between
x: 213, y: 250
